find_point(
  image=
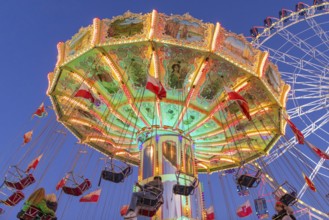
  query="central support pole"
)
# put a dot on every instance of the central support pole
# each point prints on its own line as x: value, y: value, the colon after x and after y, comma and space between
x: 163, y: 155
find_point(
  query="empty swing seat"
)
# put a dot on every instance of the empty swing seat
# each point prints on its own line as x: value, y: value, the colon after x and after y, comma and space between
x: 22, y: 184
x: 79, y: 190
x: 247, y: 181
x: 116, y: 177
x: 185, y: 190
x: 14, y: 199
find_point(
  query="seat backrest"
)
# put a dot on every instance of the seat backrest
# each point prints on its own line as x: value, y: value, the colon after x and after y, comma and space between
x: 147, y: 210
x: 85, y: 185
x: 79, y: 190
x: 14, y: 199
x: 22, y: 183
x: 72, y: 191
x: 28, y: 180
x: 183, y: 190
x: 31, y: 213
x: 147, y: 202
x: 147, y: 213
x: 112, y: 176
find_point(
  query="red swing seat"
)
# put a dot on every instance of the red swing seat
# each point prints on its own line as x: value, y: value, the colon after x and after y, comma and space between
x: 150, y: 211
x: 14, y: 199
x: 33, y: 212
x: 79, y: 190
x: 147, y: 213
x: 22, y: 183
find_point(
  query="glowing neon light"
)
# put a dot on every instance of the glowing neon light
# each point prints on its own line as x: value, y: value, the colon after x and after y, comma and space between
x: 215, y: 39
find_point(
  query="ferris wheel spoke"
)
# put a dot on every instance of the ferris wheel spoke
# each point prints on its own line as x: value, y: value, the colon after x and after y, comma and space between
x: 303, y: 157
x: 315, y: 77
x: 313, y: 174
x: 307, y: 93
x: 282, y: 148
x: 307, y: 108
x: 310, y: 95
x: 293, y: 61
x: 318, y: 31
x: 305, y: 47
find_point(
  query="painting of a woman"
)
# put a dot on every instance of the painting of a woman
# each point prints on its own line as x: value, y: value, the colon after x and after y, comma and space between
x: 177, y: 76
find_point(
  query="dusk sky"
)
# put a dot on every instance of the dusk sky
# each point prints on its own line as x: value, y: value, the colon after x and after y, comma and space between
x: 30, y: 31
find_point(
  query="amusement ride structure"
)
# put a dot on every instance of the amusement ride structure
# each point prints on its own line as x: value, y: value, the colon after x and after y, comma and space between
x: 195, y: 127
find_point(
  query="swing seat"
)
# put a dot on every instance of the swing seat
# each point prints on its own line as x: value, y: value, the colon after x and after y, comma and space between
x: 34, y: 213
x: 79, y: 190
x: 248, y: 181
x: 147, y: 213
x: 14, y: 199
x: 116, y: 177
x: 185, y: 190
x: 288, y: 198
x: 191, y: 183
x: 149, y: 206
x: 31, y: 213
x: 21, y: 184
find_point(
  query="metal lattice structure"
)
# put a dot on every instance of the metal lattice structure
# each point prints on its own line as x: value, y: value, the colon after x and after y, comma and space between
x: 298, y: 42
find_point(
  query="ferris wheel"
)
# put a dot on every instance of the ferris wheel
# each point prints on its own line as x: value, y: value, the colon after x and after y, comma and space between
x: 298, y: 42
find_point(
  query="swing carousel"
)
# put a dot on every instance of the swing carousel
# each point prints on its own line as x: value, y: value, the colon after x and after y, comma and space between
x: 175, y: 97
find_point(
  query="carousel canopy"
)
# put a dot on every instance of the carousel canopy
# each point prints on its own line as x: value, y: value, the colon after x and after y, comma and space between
x: 98, y: 88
